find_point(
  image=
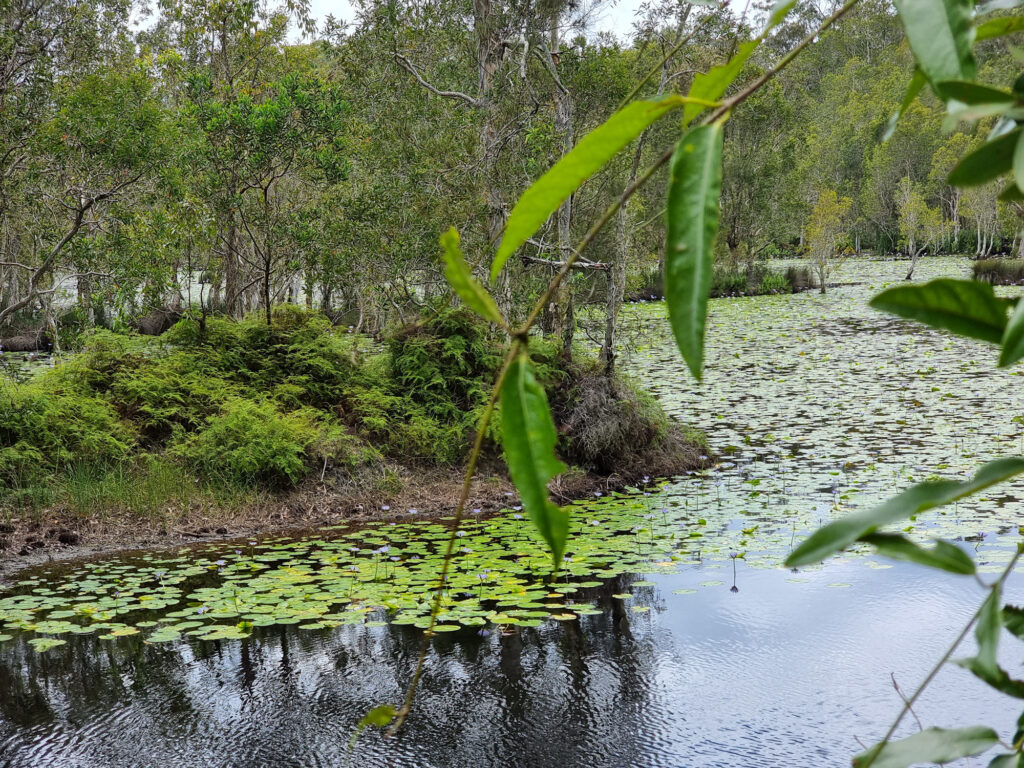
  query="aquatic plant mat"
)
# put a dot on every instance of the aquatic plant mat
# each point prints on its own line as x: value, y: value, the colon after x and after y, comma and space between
x: 817, y: 404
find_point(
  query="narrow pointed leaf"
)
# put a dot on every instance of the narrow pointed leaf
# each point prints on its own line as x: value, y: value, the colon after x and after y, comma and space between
x: 712, y: 84
x: 529, y: 437
x: 779, y: 12
x: 588, y: 156
x: 940, y: 33
x: 1018, y: 161
x: 989, y: 161
x: 984, y: 664
x: 461, y: 279
x: 999, y: 27
x: 1012, y: 194
x: 944, y: 555
x: 1013, y: 338
x: 932, y: 745
x: 1013, y: 620
x: 965, y: 307
x: 845, y: 531
x: 695, y: 184
x: 973, y: 93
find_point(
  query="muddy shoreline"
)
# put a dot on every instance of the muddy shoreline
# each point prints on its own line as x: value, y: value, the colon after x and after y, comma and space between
x: 54, y: 536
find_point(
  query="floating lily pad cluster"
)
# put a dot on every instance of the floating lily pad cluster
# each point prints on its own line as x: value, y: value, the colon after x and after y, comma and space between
x: 815, y: 405
x: 386, y: 571
x: 819, y: 405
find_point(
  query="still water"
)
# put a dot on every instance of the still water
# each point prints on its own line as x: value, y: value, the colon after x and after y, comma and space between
x: 817, y: 406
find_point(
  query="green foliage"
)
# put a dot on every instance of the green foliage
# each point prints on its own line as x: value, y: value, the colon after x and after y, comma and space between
x: 940, y: 33
x: 589, y: 155
x: 529, y: 439
x: 999, y: 271
x: 459, y: 276
x: 932, y: 745
x: 694, y: 189
x: 43, y: 430
x: 254, y: 443
x: 965, y: 307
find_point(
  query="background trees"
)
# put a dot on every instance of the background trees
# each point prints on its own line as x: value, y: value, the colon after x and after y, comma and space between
x: 212, y: 162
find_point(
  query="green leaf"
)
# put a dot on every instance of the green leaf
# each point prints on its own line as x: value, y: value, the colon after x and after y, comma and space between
x: 1013, y: 620
x: 965, y: 307
x: 973, y: 93
x: 932, y: 745
x: 711, y: 85
x: 917, y: 82
x: 588, y: 156
x: 1018, y: 162
x: 378, y: 716
x: 461, y: 279
x: 695, y: 183
x: 841, y: 533
x: 986, y: 631
x: 940, y: 33
x: 944, y: 556
x: 1016, y: 760
x: 529, y: 438
x: 999, y: 27
x: 1013, y: 338
x: 1011, y: 194
x: 989, y: 161
x: 779, y: 12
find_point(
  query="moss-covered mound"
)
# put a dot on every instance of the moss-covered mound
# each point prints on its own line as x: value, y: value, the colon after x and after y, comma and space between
x: 218, y: 408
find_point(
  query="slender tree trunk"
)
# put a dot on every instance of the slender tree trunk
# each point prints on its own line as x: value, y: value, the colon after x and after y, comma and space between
x: 564, y: 317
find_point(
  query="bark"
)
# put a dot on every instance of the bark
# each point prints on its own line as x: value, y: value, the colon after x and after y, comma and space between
x: 563, y: 314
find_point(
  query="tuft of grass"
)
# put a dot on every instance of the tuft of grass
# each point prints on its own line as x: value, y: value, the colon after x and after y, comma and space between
x: 999, y: 271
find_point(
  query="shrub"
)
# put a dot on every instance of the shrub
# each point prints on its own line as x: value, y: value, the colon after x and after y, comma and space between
x: 252, y: 442
x: 45, y: 428
x: 608, y: 421
x: 774, y: 282
x: 999, y: 271
x: 173, y: 391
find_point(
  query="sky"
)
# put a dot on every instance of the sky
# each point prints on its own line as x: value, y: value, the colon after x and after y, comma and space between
x: 616, y: 17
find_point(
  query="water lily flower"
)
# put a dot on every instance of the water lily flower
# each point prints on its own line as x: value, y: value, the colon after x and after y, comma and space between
x: 385, y: 508
x: 517, y: 517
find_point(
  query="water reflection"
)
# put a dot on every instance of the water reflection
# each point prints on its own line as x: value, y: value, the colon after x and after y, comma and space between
x: 779, y: 674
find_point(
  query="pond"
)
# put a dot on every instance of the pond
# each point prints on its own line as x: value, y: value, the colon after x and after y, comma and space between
x: 640, y: 653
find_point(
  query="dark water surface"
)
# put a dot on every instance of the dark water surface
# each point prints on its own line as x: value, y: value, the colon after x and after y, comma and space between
x: 789, y: 671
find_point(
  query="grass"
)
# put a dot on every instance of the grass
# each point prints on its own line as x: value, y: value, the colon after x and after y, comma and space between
x: 999, y: 271
x: 757, y: 279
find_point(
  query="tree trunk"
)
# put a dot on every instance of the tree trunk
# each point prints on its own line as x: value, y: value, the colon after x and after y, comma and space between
x: 564, y: 317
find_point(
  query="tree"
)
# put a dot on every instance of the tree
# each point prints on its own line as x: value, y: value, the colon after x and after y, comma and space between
x: 921, y: 227
x: 825, y: 229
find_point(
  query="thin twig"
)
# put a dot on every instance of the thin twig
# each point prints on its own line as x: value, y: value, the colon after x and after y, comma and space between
x: 909, y: 703
x: 442, y: 580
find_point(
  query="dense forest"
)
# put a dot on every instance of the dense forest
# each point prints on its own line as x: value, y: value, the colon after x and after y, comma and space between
x: 202, y: 161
